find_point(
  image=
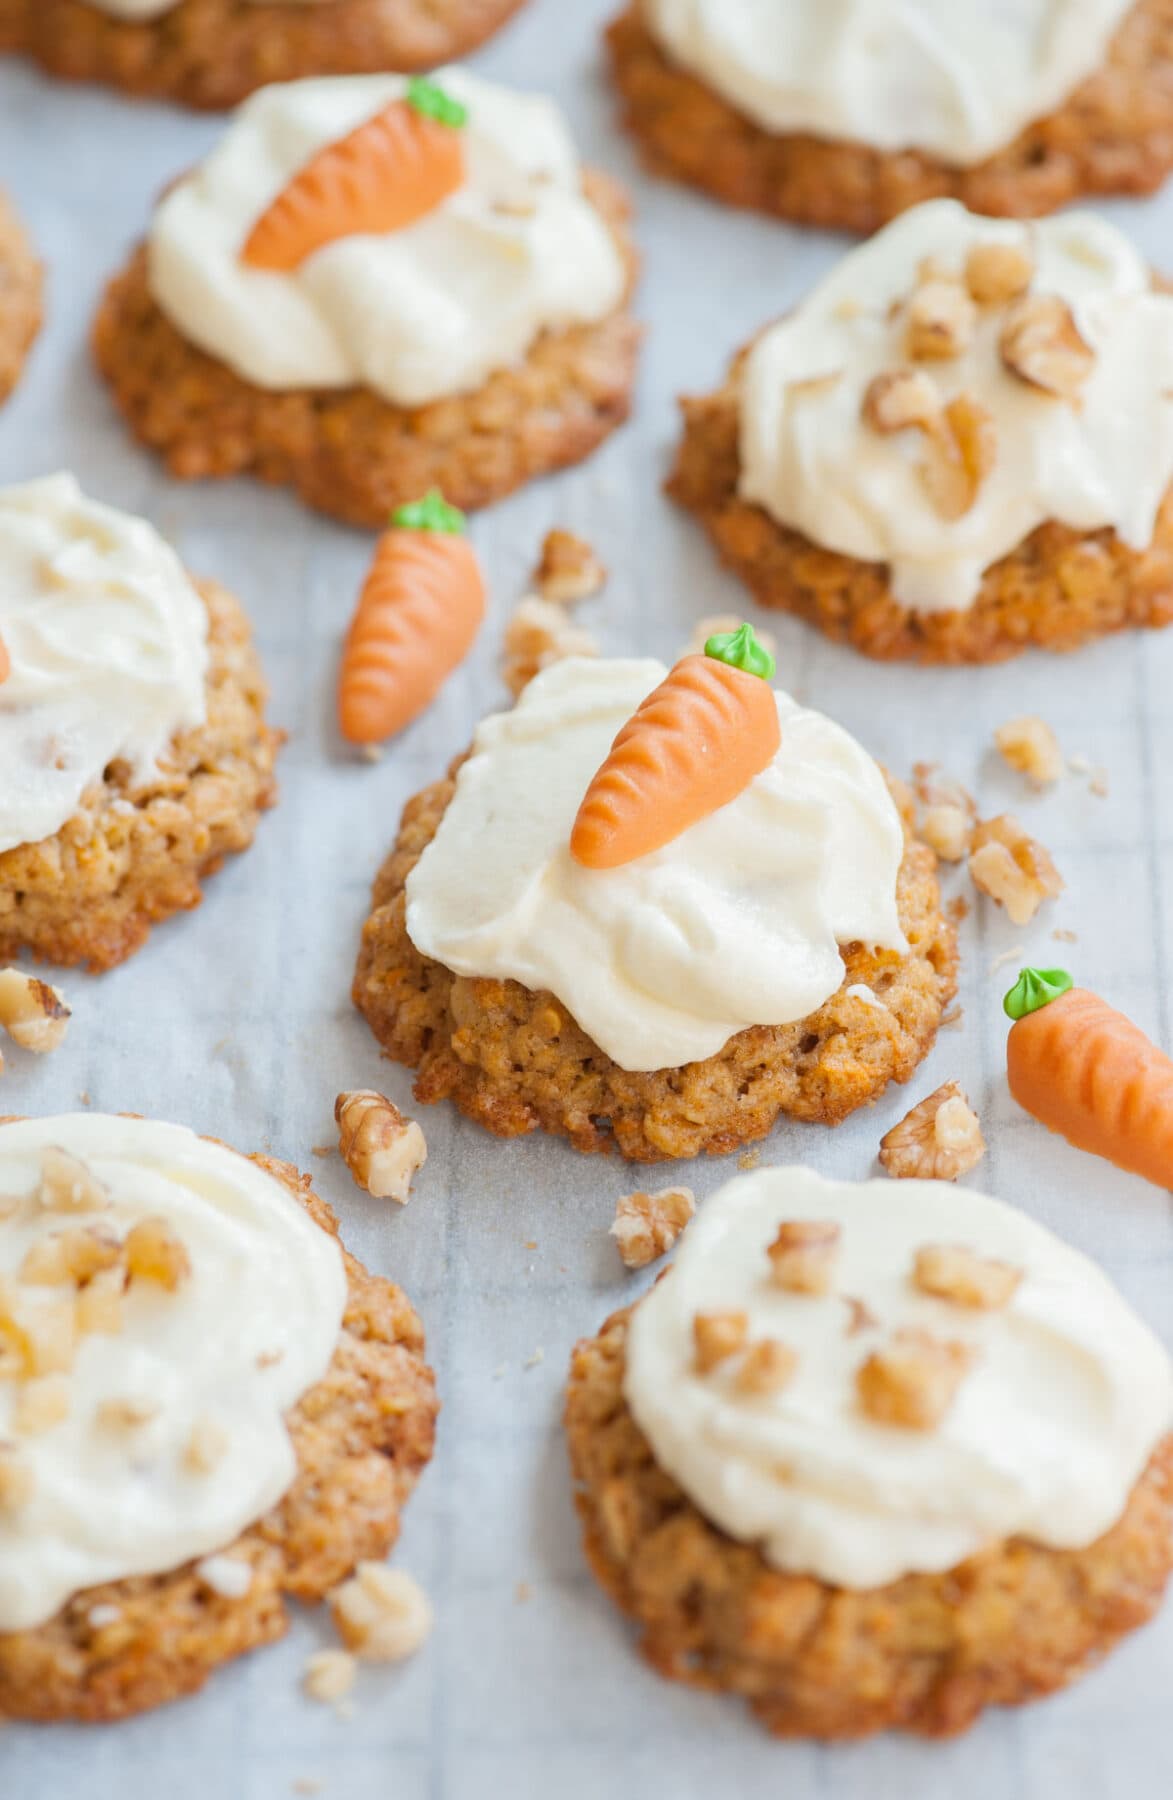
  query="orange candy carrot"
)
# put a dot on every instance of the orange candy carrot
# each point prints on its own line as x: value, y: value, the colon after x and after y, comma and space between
x: 692, y: 746
x: 420, y: 609
x: 1090, y: 1074
x: 383, y: 176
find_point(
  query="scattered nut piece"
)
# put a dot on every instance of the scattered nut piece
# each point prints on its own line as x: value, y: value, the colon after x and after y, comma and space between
x: 1012, y: 868
x: 40, y: 1405
x: 34, y: 1014
x: 73, y: 1256
x: 18, y: 1482
x: 381, y: 1614
x: 947, y: 831
x: 98, y: 1308
x: 860, y: 1316
x: 717, y: 1335
x: 49, y: 1338
x: 941, y: 321
x: 647, y: 1225
x: 569, y: 569
x: 951, y: 1272
x: 128, y: 1413
x: 329, y: 1675
x: 938, y: 1140
x: 766, y: 1367
x: 538, y: 634
x: 900, y: 401
x: 996, y: 273
x: 67, y: 1185
x: 803, y: 1255
x: 934, y: 789
x: 383, y: 1150
x: 155, y: 1253
x: 228, y: 1576
x: 960, y: 455
x: 1040, y: 343
x: 911, y: 1381
x: 720, y: 625
x: 1029, y: 745
x: 206, y: 1447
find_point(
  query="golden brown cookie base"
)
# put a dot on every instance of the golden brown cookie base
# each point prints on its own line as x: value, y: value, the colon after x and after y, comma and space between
x: 212, y: 53
x: 924, y: 1654
x: 363, y: 1436
x: 133, y: 855
x: 516, y: 1062
x: 1059, y: 589
x: 21, y: 285
x: 1114, y: 135
x: 351, y: 453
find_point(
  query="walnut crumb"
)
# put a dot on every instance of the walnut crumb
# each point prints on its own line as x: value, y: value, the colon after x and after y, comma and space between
x: 1029, y: 745
x: 1041, y: 344
x: 951, y: 1272
x: 997, y: 273
x: 647, y: 1225
x: 901, y: 400
x: 1012, y: 868
x: 383, y: 1150
x: 155, y: 1253
x: 911, y: 1381
x: 941, y: 321
x: 802, y: 1256
x: 939, y: 1140
x: 947, y: 831
x: 538, y: 634
x: 67, y: 1185
x: 71, y: 1256
x: 34, y: 1014
x: 98, y: 1309
x: 961, y: 454
x: 717, y: 1335
x: 381, y: 1614
x: 329, y: 1676
x: 206, y: 1447
x: 766, y: 1367
x: 860, y: 1316
x: 569, y: 570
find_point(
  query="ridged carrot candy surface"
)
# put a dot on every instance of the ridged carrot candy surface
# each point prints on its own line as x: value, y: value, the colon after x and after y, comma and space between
x: 1093, y: 1076
x: 383, y: 176
x: 692, y: 746
x: 417, y: 616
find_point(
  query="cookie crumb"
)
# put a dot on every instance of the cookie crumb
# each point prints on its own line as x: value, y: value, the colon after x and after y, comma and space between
x: 939, y: 1140
x: 381, y: 1614
x: 569, y: 569
x: 383, y: 1150
x: 328, y: 1676
x: 535, y: 1358
x: 521, y: 1592
x: 749, y: 1159
x: 1013, y: 868
x: 538, y: 634
x: 1063, y: 935
x: 1029, y: 745
x: 1017, y: 954
x: 647, y: 1225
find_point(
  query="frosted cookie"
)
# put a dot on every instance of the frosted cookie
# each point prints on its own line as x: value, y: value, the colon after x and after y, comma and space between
x: 958, y: 445
x: 372, y: 288
x: 279, y: 1452
x: 134, y: 753
x: 213, y: 53
x: 875, y: 1455
x: 781, y: 949
x: 21, y: 284
x: 845, y: 116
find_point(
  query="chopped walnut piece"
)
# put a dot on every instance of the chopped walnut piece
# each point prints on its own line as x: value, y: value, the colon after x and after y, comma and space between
x: 941, y: 321
x: 74, y: 1256
x: 40, y: 1405
x: 34, y: 1014
x: 538, y: 634
x: 717, y: 1335
x: 901, y: 400
x: 803, y: 1255
x: 938, y: 1140
x: 49, y: 1338
x: 206, y: 1447
x: 947, y: 831
x: 720, y: 625
x: 996, y: 273
x: 155, y: 1253
x: 766, y: 1367
x: 1029, y: 745
x: 569, y: 569
x: 647, y: 1225
x: 18, y: 1482
x: 329, y: 1676
x: 911, y: 1381
x: 127, y: 1413
x: 1012, y: 868
x: 960, y: 455
x: 381, y: 1614
x: 383, y: 1150
x: 934, y: 789
x: 951, y: 1272
x: 98, y: 1308
x: 1041, y: 344
x: 67, y: 1185
x: 860, y: 1316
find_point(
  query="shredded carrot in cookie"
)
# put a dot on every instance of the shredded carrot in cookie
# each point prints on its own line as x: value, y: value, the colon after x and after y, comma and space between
x: 383, y: 176
x: 692, y: 746
x: 420, y: 608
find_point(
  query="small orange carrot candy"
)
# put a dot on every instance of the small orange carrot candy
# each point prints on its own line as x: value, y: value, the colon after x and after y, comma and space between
x: 1090, y: 1074
x: 382, y: 176
x: 420, y: 608
x: 693, y: 745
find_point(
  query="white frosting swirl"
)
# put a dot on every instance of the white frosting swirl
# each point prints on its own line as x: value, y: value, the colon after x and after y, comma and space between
x: 1067, y: 1398
x: 737, y: 922
x: 253, y: 1326
x: 108, y: 645
x: 416, y: 314
x: 808, y: 458
x: 959, y: 80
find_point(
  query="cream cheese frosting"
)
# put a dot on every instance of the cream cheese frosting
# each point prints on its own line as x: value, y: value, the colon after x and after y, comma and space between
x: 810, y: 460
x: 225, y: 1354
x: 1065, y: 1401
x: 417, y: 314
x: 107, y: 641
x: 959, y: 80
x: 737, y: 922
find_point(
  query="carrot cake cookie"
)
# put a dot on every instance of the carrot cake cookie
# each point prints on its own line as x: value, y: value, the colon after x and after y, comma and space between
x: 663, y: 943
x: 212, y: 53
x: 875, y: 1455
x: 374, y: 287
x: 844, y: 116
x: 167, y: 1484
x: 134, y: 753
x: 960, y: 444
x: 21, y: 285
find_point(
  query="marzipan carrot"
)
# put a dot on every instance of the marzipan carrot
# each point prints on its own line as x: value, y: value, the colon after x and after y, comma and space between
x: 420, y: 609
x: 1090, y: 1074
x: 692, y: 746
x: 384, y: 175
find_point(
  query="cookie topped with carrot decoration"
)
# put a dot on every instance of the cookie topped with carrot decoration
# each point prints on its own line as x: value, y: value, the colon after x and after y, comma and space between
x: 657, y: 908
x: 392, y: 283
